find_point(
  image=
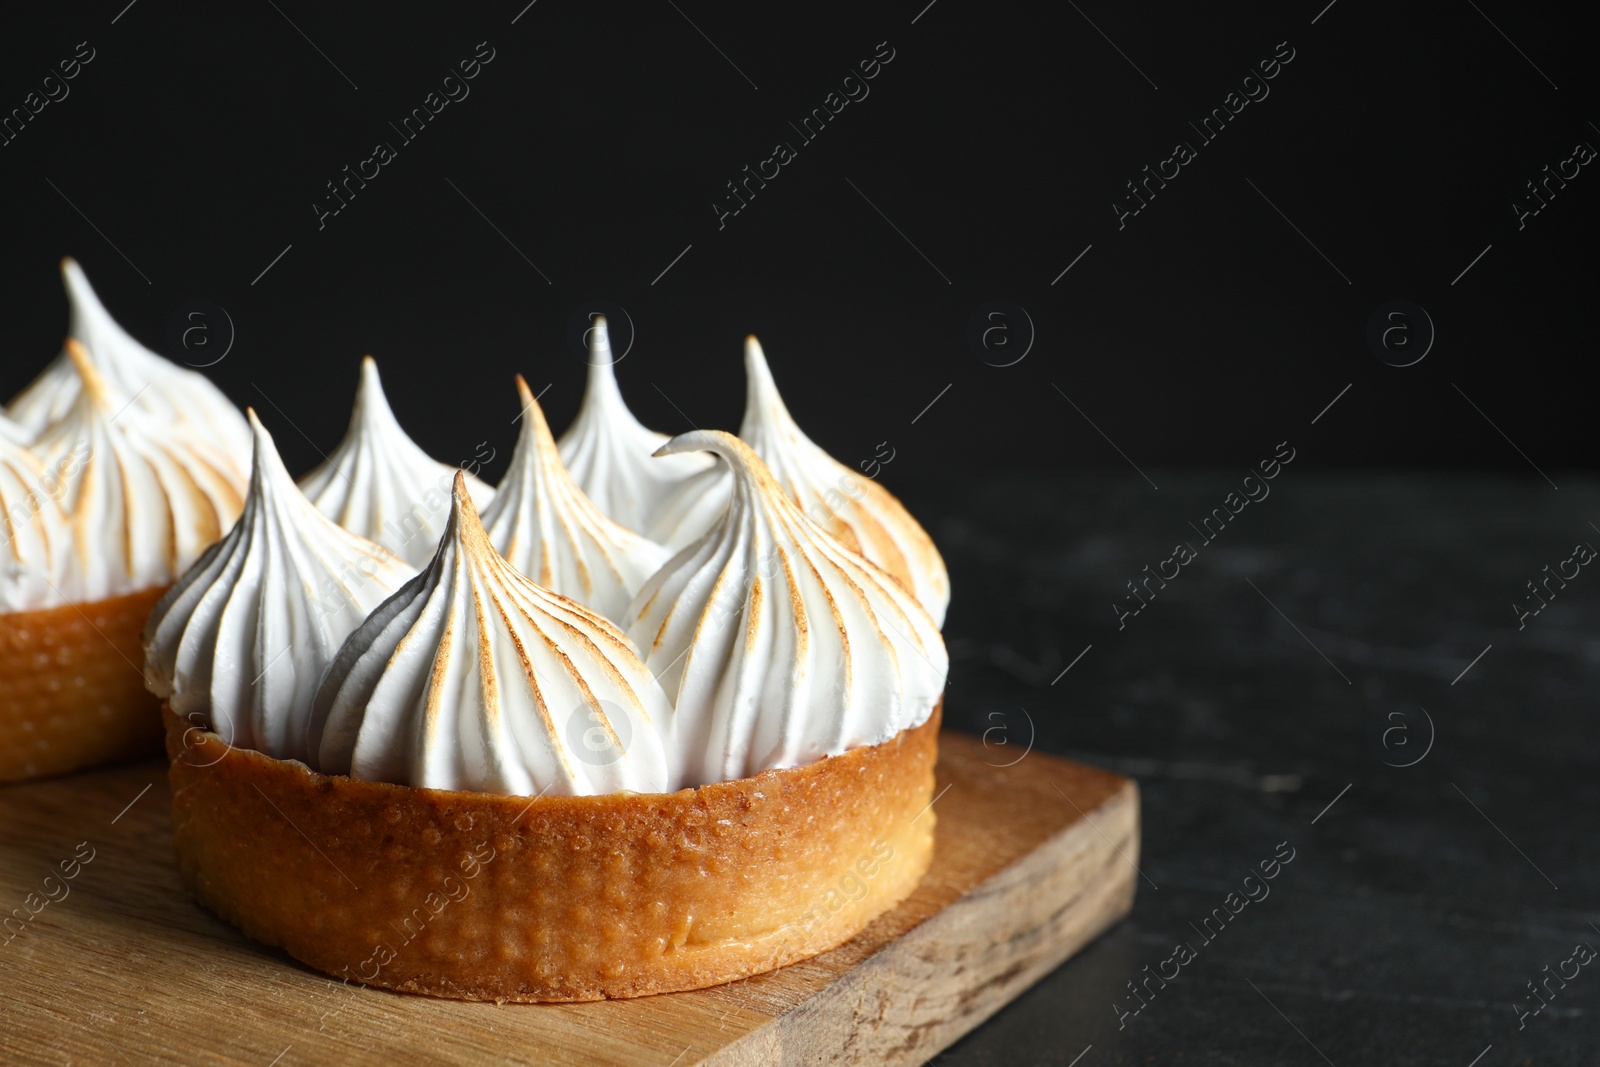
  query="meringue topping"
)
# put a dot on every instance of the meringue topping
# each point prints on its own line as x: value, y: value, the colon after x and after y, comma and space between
x: 779, y: 644
x: 244, y: 636
x: 13, y: 432
x: 33, y: 532
x: 142, y: 497
x: 380, y: 484
x: 608, y: 451
x: 473, y: 677
x: 545, y: 526
x: 155, y: 385
x: 857, y: 511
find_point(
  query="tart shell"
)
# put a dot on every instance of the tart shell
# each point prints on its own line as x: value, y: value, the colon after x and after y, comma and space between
x: 478, y: 896
x: 71, y: 693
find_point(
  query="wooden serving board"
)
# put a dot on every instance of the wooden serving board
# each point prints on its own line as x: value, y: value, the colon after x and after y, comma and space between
x: 1031, y: 861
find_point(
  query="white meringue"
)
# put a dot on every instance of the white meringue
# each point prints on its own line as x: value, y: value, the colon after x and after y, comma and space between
x: 777, y: 643
x: 473, y: 677
x: 34, y: 538
x: 379, y: 484
x: 142, y: 497
x: 244, y: 636
x: 544, y: 526
x: 858, y: 511
x: 608, y: 451
x: 155, y: 385
x: 13, y: 432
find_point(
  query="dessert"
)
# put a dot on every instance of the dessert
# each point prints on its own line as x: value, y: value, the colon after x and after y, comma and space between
x: 243, y: 638
x: 477, y: 896
x: 174, y: 395
x: 476, y: 678
x: 778, y: 644
x: 143, y: 497
x: 380, y: 485
x: 545, y: 526
x: 608, y: 451
x: 855, y: 510
x: 106, y: 506
x: 483, y: 809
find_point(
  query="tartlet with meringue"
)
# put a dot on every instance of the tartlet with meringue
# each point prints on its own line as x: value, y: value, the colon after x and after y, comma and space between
x: 117, y: 469
x: 559, y: 763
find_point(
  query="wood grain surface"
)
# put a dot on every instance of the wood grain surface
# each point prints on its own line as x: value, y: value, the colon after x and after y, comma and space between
x: 105, y: 959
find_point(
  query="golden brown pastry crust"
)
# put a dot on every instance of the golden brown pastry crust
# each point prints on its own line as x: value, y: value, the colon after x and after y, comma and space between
x: 483, y: 897
x: 71, y: 693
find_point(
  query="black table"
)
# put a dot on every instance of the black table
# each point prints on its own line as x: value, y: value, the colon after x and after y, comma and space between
x: 1275, y: 691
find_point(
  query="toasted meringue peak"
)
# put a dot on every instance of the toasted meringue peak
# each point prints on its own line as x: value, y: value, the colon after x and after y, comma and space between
x: 778, y: 644
x: 856, y: 510
x: 142, y: 497
x: 155, y: 385
x: 244, y: 636
x: 608, y: 450
x: 34, y: 538
x: 473, y: 677
x: 545, y: 526
x: 380, y: 484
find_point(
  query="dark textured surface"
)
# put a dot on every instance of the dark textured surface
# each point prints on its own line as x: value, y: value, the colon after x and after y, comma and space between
x: 1406, y: 927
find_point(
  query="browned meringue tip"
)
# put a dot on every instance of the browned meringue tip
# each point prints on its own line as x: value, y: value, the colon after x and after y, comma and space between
x: 467, y: 522
x: 465, y: 528
x: 533, y: 412
x: 525, y: 394
x: 260, y: 437
x: 93, y: 385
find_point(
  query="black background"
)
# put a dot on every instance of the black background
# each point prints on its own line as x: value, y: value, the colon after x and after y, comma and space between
x: 996, y: 140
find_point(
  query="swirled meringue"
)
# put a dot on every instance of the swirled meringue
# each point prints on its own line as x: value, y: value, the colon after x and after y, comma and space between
x: 379, y: 484
x: 608, y: 451
x: 244, y: 636
x: 157, y: 386
x: 142, y: 497
x: 857, y: 511
x: 778, y: 644
x: 33, y: 532
x: 473, y: 677
x: 544, y: 526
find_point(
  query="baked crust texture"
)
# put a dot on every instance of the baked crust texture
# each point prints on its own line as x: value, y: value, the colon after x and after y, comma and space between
x: 71, y: 695
x: 477, y: 896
